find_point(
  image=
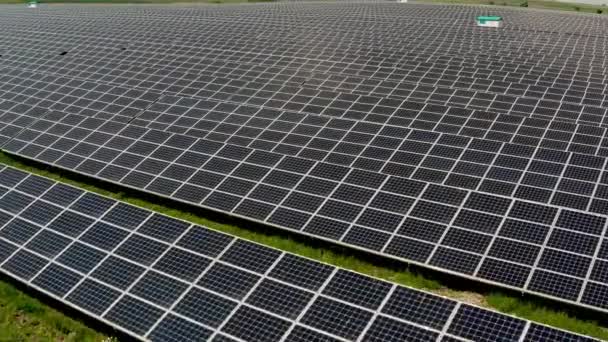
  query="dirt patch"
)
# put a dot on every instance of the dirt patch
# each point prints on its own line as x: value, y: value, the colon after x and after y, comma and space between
x: 21, y: 318
x: 464, y: 296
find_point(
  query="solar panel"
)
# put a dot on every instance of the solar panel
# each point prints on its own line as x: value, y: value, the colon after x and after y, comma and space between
x: 76, y: 96
x: 495, y: 238
x: 158, y: 278
x: 471, y: 151
x: 15, y: 116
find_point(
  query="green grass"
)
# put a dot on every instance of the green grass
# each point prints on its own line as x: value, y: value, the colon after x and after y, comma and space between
x: 23, y: 318
x: 538, y: 4
x: 526, y: 308
x: 564, y: 6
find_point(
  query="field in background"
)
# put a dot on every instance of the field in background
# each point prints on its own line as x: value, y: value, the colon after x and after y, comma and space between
x: 569, y: 6
x: 539, y: 4
x: 547, y: 4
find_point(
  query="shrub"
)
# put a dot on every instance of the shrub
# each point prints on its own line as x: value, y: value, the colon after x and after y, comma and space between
x: 599, y: 11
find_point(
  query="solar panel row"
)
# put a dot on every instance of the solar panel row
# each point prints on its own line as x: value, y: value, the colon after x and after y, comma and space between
x: 485, y: 92
x: 494, y: 238
x: 534, y: 132
x: 159, y: 278
x: 175, y: 60
x: 476, y: 152
x: 509, y: 44
x: 168, y: 75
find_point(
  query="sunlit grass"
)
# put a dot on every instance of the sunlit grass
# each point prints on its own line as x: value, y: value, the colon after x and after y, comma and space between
x: 23, y: 318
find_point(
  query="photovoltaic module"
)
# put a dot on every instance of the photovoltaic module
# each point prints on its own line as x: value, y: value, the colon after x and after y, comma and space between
x: 402, y: 130
x: 161, y: 279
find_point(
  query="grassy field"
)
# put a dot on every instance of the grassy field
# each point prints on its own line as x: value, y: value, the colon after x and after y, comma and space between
x: 540, y: 4
x: 568, y: 6
x: 57, y: 325
x: 23, y: 318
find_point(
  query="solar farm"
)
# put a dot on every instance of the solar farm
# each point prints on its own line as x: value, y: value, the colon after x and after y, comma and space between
x: 403, y: 132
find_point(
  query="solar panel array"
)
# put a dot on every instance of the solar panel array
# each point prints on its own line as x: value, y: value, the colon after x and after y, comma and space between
x: 162, y: 279
x: 403, y: 130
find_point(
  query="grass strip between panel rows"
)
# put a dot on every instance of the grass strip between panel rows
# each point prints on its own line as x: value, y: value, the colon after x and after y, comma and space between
x: 527, y: 308
x: 23, y: 318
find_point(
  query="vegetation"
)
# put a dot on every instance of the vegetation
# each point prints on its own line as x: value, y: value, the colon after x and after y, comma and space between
x: 23, y: 318
x: 527, y: 308
x: 565, y: 6
x: 539, y: 4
